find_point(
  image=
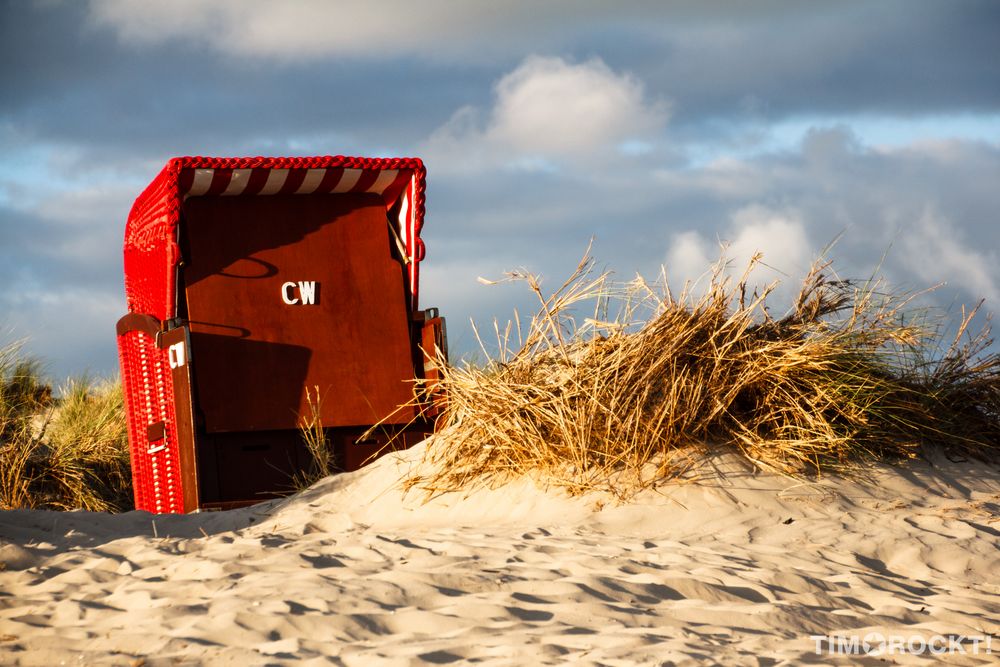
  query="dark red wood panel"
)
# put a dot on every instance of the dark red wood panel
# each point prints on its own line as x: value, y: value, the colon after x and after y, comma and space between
x: 252, y: 353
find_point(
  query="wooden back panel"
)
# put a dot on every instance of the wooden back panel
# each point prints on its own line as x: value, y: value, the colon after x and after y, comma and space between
x: 252, y: 353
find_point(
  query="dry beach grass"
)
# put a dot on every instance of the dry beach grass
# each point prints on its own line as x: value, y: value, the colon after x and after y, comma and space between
x: 63, y: 453
x: 628, y: 394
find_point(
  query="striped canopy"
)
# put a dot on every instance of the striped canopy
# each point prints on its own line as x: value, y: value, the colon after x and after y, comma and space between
x: 151, y: 252
x: 265, y: 181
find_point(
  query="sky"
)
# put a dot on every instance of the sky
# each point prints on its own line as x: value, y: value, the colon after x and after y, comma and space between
x: 662, y: 130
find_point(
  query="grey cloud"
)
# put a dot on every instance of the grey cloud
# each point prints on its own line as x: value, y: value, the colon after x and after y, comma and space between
x: 782, y: 57
x: 887, y: 57
x: 80, y: 91
x: 74, y: 81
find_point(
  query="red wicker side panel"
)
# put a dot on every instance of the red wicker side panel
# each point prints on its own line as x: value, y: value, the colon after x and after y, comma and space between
x: 151, y: 249
x: 149, y: 401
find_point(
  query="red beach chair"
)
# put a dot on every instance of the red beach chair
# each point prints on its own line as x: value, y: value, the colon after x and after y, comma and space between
x: 249, y: 281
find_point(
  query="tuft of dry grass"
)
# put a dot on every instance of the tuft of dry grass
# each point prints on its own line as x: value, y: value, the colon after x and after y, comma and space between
x: 627, y: 396
x: 321, y: 463
x: 22, y: 398
x: 87, y: 459
x: 65, y: 453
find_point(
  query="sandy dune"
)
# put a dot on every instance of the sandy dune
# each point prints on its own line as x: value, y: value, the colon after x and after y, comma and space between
x: 737, y: 569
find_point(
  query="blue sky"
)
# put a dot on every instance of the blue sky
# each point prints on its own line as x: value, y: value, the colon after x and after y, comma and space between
x: 660, y: 129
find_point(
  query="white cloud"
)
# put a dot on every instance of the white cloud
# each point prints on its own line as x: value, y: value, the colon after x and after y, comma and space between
x: 779, y: 236
x: 552, y: 107
x: 308, y: 29
x: 934, y: 250
x: 689, y: 257
x: 548, y: 111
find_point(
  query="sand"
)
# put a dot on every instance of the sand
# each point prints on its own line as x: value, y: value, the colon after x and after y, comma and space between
x: 736, y: 568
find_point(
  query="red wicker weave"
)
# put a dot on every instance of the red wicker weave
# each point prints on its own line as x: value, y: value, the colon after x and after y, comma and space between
x: 151, y: 259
